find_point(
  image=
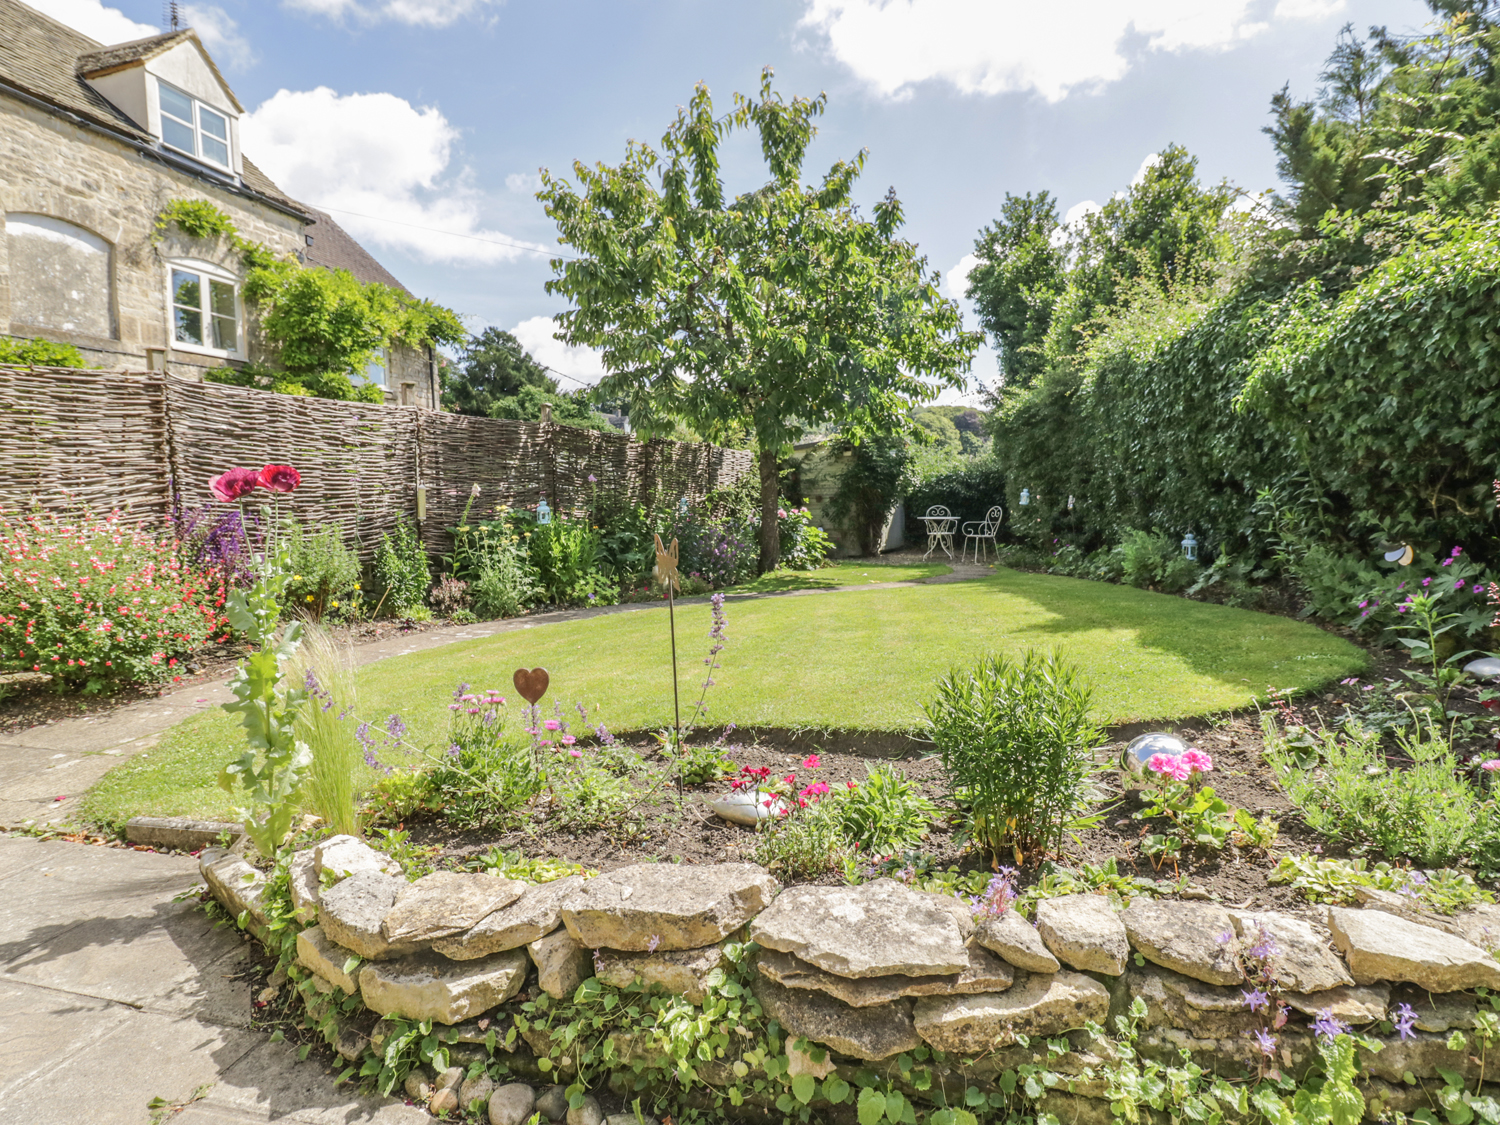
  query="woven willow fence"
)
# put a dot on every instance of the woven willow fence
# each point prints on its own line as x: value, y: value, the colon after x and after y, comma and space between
x: 149, y: 443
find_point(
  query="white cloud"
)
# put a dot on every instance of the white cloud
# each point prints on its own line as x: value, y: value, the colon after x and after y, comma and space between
x: 220, y: 34
x: 1004, y: 46
x: 107, y: 25
x: 956, y: 280
x: 425, y: 13
x: 381, y: 165
x: 1151, y: 161
x: 524, y: 183
x: 584, y: 364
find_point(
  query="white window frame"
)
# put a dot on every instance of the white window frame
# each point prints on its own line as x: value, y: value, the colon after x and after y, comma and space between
x: 206, y: 272
x: 199, y: 108
x: 382, y: 356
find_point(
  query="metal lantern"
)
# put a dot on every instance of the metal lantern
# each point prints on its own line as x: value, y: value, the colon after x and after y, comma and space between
x: 543, y: 513
x: 1190, y: 547
x: 1025, y: 497
x: 682, y: 505
x: 1070, y: 503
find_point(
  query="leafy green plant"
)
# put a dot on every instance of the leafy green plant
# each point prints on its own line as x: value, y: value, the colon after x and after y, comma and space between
x: 401, y: 574
x: 1017, y: 744
x: 449, y: 596
x: 565, y: 555
x: 803, y: 844
x: 325, y: 573
x: 528, y: 869
x: 804, y: 545
x: 1337, y: 880
x: 486, y: 774
x: 401, y: 794
x: 885, y: 813
x: 39, y: 353
x: 1153, y: 561
x: 877, y: 471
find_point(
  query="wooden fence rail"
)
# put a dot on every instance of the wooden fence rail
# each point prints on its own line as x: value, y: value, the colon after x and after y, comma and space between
x: 148, y: 443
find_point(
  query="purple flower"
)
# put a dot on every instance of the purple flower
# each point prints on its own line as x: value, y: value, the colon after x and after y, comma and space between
x: 1404, y: 1020
x: 653, y: 943
x: 1226, y: 937
x: 453, y: 750
x: 593, y: 479
x: 395, y: 727
x: 1427, y: 581
x: 1327, y: 1026
x: 1265, y: 1041
x: 1256, y: 1000
x: 362, y: 734
x: 1265, y: 946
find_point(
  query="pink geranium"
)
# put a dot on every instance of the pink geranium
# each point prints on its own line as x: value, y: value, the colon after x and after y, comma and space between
x: 280, y: 478
x: 1168, y: 765
x: 229, y: 486
x: 1197, y: 761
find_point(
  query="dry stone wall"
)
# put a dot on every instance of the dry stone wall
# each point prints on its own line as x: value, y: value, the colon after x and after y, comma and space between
x: 872, y: 971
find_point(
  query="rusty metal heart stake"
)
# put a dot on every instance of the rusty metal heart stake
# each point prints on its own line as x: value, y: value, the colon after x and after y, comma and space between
x: 531, y: 685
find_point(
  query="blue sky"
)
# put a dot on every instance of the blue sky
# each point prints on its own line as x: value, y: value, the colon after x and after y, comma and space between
x: 410, y: 117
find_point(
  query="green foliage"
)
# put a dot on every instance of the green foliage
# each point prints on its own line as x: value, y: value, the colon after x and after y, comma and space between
x: 504, y: 864
x: 485, y: 775
x: 1016, y: 741
x: 1350, y: 792
x: 336, y: 767
x: 265, y: 377
x: 1153, y: 561
x: 38, y: 353
x: 564, y: 555
x: 325, y: 572
x: 272, y: 768
x: 196, y: 218
x: 400, y: 795
x: 875, y: 475
x: 702, y: 316
x: 492, y: 365
x: 804, y: 545
x: 401, y: 575
x: 1337, y: 880
x: 572, y: 408
x: 885, y: 813
x: 95, y: 603
x: 806, y: 843
x: 494, y: 560
x: 1018, y: 278
x: 968, y: 492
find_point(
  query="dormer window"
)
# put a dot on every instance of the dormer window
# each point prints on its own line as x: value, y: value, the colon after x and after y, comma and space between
x: 191, y: 127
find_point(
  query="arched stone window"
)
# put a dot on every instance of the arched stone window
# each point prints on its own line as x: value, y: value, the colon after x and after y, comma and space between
x: 60, y: 276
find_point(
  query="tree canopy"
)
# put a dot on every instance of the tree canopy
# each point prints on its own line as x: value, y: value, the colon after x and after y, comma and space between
x: 492, y: 365
x: 780, y: 310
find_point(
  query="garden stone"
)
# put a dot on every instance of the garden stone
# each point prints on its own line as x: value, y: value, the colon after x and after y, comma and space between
x: 553, y: 1103
x: 873, y: 930
x: 1192, y: 938
x: 682, y: 972
x: 562, y: 963
x: 862, y: 1033
x: 351, y: 914
x: 238, y: 886
x: 446, y: 903
x: 442, y: 1103
x: 535, y: 914
x: 1016, y: 940
x: 418, y: 1085
x: 1302, y: 960
x: 513, y: 1104
x: 1084, y: 931
x: 1480, y: 925
x: 477, y: 1089
x: 342, y: 856
x: 1384, y: 947
x: 985, y: 973
x: 801, y: 1062
x: 351, y: 1044
x: 667, y: 905
x: 317, y: 954
x: 588, y: 1113
x: 1204, y: 1011
x: 1422, y: 1055
x: 428, y: 986
x: 1352, y: 1003
x: 963, y: 913
x: 302, y: 877
x: 1436, y: 1011
x: 1037, y: 1006
x: 629, y: 1119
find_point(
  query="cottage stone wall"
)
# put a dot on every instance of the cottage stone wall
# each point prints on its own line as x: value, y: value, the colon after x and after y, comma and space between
x: 878, y: 970
x: 52, y: 168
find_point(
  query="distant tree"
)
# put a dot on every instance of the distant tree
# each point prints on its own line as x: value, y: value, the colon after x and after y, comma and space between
x: 1021, y: 272
x: 781, y: 311
x: 573, y: 409
x: 492, y: 365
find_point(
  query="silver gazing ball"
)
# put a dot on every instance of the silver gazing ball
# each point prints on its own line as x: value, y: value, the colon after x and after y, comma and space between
x: 1156, y: 742
x: 1485, y: 668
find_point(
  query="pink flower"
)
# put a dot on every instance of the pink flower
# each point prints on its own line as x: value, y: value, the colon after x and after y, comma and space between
x: 575, y: 753
x: 567, y: 740
x: 230, y: 486
x: 552, y: 724
x: 816, y: 789
x: 280, y: 478
x: 1197, y: 761
x: 811, y: 762
x: 1162, y: 763
x: 1492, y: 765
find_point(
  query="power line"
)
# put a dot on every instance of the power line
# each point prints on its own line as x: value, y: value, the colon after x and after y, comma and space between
x: 451, y: 233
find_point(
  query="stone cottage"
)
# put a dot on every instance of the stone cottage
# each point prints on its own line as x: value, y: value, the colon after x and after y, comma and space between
x: 95, y: 142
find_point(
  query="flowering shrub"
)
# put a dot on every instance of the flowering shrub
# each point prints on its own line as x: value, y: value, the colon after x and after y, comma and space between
x: 220, y: 541
x: 1194, y: 814
x: 804, y: 545
x: 719, y: 551
x: 95, y: 603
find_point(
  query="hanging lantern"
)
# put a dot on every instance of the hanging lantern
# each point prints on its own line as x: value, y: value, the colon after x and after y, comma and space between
x: 1190, y: 547
x: 543, y: 513
x: 1025, y: 497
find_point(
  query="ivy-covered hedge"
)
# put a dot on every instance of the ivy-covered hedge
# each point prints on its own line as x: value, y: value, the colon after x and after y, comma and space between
x: 1365, y: 418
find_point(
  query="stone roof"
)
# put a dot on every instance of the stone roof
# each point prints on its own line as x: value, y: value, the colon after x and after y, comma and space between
x: 96, y: 63
x: 332, y: 247
x: 40, y: 57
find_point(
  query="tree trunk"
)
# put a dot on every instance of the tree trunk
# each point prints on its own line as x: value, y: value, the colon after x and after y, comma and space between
x: 770, y: 493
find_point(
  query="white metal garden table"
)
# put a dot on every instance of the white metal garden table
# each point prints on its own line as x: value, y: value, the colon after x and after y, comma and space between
x: 941, y: 526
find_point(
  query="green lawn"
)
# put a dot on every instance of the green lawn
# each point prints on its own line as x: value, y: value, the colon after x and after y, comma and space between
x: 860, y: 660
x: 860, y: 572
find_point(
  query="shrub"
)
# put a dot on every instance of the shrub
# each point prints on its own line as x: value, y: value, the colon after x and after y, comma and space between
x: 565, y: 556
x: 969, y: 493
x: 1150, y: 560
x: 491, y: 773
x: 94, y: 603
x: 332, y: 781
x: 804, y: 545
x: 213, y: 539
x: 401, y: 571
x: 1016, y: 742
x: 325, y: 572
x: 885, y: 814
x: 39, y: 353
x: 449, y: 597
x: 493, y: 559
x: 718, y: 550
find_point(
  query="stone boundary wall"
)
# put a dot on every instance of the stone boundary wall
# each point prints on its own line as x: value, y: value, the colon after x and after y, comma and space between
x: 150, y: 442
x: 879, y: 969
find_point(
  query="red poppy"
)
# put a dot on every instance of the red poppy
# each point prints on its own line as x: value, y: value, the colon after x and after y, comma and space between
x: 230, y: 486
x: 280, y: 478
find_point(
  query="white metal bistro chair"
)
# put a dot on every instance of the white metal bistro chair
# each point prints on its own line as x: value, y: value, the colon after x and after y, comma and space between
x: 941, y: 525
x: 980, y: 532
